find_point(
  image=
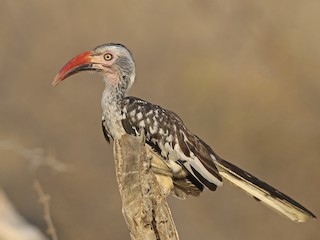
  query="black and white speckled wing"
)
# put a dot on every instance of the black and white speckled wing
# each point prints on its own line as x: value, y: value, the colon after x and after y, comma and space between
x: 106, y: 134
x: 193, y: 162
x: 166, y: 134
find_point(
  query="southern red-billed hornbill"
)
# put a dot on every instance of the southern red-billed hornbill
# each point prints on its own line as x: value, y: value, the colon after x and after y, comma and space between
x: 192, y: 163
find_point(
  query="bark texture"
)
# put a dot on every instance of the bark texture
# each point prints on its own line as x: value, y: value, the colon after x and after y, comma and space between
x: 144, y: 204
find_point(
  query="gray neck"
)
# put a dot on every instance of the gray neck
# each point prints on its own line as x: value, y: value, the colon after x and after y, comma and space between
x: 115, y: 91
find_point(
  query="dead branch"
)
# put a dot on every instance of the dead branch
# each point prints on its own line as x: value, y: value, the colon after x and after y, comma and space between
x: 144, y: 205
x: 44, y: 201
x: 13, y: 226
x: 37, y: 156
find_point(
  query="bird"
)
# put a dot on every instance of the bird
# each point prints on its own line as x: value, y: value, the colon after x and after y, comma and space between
x: 190, y: 162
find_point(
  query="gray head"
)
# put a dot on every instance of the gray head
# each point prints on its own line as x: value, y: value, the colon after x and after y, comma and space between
x: 113, y: 61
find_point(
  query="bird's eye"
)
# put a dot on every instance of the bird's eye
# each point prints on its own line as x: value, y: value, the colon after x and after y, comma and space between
x: 108, y: 56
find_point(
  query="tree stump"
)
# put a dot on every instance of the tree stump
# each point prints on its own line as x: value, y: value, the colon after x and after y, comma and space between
x: 144, y: 204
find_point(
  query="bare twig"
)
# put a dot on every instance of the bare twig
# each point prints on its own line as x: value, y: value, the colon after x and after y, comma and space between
x: 13, y: 225
x: 144, y: 204
x: 37, y: 156
x: 44, y: 201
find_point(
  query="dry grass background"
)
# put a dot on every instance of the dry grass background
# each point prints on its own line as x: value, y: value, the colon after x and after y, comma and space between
x: 244, y: 75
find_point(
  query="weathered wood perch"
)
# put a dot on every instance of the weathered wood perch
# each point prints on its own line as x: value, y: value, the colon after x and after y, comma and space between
x: 144, y: 204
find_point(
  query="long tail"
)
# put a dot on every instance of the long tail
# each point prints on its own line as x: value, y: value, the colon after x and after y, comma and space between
x: 263, y: 192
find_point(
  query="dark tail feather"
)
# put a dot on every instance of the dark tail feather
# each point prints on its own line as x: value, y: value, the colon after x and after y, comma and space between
x: 263, y: 192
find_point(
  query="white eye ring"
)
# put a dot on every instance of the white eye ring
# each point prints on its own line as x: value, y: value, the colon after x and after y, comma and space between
x: 108, y: 56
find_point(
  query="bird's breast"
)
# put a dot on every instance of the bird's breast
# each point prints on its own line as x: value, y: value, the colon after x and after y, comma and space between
x: 113, y: 123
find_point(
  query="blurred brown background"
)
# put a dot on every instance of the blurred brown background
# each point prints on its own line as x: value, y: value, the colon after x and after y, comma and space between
x: 244, y: 75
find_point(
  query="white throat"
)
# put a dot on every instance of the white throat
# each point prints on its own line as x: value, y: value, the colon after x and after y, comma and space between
x: 112, y: 96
